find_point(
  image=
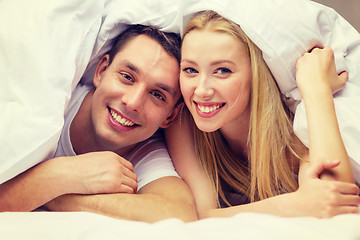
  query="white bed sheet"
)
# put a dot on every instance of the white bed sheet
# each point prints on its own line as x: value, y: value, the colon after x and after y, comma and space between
x: 89, y: 226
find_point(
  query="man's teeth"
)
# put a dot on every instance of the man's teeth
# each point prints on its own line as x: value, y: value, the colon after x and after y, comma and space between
x: 121, y: 120
x: 208, y: 109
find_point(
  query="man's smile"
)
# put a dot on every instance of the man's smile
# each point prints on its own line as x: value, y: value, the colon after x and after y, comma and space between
x: 121, y: 120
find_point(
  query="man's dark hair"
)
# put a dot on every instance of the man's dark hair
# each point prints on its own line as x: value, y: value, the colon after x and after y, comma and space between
x: 171, y: 42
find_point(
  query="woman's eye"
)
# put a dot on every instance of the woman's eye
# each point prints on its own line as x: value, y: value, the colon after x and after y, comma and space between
x: 158, y: 95
x: 223, y: 71
x: 190, y: 70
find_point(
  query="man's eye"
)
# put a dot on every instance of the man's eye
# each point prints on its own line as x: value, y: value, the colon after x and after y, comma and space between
x: 158, y: 95
x: 127, y: 77
x: 222, y: 71
x: 190, y: 70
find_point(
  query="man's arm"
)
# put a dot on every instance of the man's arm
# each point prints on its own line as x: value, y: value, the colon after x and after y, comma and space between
x: 98, y: 172
x: 34, y: 187
x: 167, y: 197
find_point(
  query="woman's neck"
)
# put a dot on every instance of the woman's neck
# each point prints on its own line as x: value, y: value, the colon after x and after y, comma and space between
x: 236, y: 135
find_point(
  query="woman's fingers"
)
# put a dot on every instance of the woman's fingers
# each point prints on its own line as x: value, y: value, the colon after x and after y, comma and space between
x: 348, y: 188
x: 346, y: 210
x: 317, y: 168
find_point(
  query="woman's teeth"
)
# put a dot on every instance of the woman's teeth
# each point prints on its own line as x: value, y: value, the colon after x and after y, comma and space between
x: 120, y: 119
x: 208, y: 109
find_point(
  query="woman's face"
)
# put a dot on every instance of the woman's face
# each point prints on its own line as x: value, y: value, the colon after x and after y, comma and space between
x: 215, y: 79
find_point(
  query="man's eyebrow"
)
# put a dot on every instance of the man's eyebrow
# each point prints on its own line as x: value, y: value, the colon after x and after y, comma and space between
x: 132, y: 67
x: 166, y: 88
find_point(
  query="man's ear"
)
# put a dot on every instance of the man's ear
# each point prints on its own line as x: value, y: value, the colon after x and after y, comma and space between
x: 170, y: 119
x: 100, y: 69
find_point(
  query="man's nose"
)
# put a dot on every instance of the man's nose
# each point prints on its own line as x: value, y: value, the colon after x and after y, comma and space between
x: 134, y: 98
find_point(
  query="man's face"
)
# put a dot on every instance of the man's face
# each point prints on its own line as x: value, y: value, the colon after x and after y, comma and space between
x: 135, y: 94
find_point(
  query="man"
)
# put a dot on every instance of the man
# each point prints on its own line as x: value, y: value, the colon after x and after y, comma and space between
x: 136, y: 91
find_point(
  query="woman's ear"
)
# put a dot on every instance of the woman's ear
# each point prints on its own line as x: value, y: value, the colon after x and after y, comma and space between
x: 170, y: 119
x: 100, y: 69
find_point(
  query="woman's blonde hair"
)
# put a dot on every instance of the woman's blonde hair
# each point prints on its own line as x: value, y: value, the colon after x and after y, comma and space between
x: 269, y: 169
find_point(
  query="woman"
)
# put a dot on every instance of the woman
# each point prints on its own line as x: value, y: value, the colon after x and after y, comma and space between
x: 245, y: 152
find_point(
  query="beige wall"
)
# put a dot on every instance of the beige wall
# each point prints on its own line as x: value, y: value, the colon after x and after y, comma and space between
x: 349, y: 9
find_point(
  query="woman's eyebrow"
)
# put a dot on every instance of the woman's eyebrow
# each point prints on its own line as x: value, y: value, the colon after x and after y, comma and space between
x: 222, y: 62
x: 188, y: 61
x: 212, y: 63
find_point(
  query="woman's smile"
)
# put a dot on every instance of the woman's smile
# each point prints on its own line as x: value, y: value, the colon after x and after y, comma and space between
x: 208, y: 110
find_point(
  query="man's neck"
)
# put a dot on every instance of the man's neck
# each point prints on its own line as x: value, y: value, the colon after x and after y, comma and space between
x: 82, y: 138
x: 82, y: 135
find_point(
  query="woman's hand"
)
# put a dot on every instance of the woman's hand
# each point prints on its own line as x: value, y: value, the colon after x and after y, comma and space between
x: 316, y: 70
x: 324, y: 198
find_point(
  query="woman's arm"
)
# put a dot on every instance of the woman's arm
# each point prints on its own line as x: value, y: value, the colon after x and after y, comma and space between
x: 317, y: 80
x: 314, y: 197
x: 180, y: 144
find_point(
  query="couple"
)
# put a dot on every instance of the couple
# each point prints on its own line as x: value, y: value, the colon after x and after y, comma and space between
x: 245, y: 155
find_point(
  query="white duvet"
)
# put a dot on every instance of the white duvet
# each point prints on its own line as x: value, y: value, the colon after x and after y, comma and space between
x: 247, y: 226
x: 47, y: 47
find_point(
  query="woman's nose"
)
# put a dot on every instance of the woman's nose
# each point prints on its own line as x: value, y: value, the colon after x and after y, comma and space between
x: 204, y: 89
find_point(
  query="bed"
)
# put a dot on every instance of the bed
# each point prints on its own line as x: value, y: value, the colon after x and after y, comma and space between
x: 50, y: 46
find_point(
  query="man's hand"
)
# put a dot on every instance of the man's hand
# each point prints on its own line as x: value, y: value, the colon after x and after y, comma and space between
x: 103, y: 172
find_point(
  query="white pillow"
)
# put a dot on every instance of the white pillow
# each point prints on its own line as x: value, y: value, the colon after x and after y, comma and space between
x: 45, y: 47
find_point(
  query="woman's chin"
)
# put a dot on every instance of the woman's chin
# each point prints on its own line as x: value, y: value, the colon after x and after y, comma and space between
x: 206, y: 127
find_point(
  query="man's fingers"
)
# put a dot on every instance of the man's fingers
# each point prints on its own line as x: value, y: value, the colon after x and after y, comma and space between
x: 129, y: 173
x: 127, y: 189
x: 127, y: 185
x: 126, y: 164
x: 128, y: 169
x: 132, y: 184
